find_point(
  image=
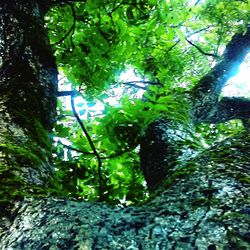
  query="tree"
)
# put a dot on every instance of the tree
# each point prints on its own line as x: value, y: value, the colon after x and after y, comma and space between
x: 199, y: 195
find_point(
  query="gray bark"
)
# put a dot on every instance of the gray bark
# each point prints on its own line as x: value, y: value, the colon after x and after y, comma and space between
x: 203, y: 205
x: 158, y: 152
x: 27, y: 100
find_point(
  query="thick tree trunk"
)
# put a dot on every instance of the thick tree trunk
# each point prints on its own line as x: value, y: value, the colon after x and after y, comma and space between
x: 161, y: 145
x: 27, y: 100
x: 162, y: 148
x: 203, y: 205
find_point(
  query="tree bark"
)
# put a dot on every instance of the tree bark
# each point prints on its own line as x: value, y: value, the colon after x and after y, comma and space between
x: 158, y: 151
x: 204, y: 204
x: 27, y: 100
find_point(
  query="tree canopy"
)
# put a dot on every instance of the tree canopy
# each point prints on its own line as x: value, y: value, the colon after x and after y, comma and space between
x: 170, y: 45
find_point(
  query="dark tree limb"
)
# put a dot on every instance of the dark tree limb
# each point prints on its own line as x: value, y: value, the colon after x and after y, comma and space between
x: 159, y: 151
x: 206, y: 93
x: 229, y: 108
x: 233, y: 56
x: 201, y: 50
x: 91, y: 145
x: 67, y: 93
x: 161, y: 145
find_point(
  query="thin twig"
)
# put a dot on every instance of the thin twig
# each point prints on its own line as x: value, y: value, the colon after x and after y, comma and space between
x: 75, y: 149
x: 172, y: 47
x: 116, y: 154
x: 67, y: 93
x: 200, y: 50
x: 72, y: 28
x: 144, y: 82
x: 191, y: 34
x: 133, y: 84
x: 91, y: 145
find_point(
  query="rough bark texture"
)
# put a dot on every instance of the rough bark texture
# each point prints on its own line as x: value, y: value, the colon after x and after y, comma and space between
x: 229, y: 108
x: 159, y: 145
x: 204, y: 205
x: 161, y: 149
x: 162, y: 152
x: 27, y: 99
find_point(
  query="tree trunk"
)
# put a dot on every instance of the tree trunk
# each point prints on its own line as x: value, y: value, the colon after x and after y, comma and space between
x: 202, y: 202
x: 27, y: 100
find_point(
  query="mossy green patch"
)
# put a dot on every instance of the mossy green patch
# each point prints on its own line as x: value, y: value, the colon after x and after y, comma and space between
x: 41, y: 136
x: 21, y: 153
x: 180, y: 173
x: 236, y: 241
x: 15, y: 158
x: 10, y: 185
x: 15, y: 188
x: 243, y: 178
x: 204, y: 201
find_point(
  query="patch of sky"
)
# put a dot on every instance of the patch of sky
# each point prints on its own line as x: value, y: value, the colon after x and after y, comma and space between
x: 195, y: 2
x: 239, y: 85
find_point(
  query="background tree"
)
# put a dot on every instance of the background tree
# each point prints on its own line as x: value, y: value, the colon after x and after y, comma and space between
x: 195, y: 165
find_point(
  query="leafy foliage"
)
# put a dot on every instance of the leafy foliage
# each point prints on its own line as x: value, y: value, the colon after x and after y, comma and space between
x: 170, y: 43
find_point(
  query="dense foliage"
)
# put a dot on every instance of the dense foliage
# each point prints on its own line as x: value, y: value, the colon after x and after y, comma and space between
x: 170, y: 45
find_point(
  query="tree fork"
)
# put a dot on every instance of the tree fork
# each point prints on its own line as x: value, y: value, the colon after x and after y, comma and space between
x: 206, y: 93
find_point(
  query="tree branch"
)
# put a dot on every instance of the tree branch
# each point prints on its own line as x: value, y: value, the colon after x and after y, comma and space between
x: 72, y: 28
x: 92, y: 147
x: 116, y: 154
x: 200, y: 50
x: 133, y: 84
x: 75, y: 149
x: 67, y: 93
x: 189, y: 35
x: 205, y: 94
x: 144, y: 82
x: 229, y: 108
